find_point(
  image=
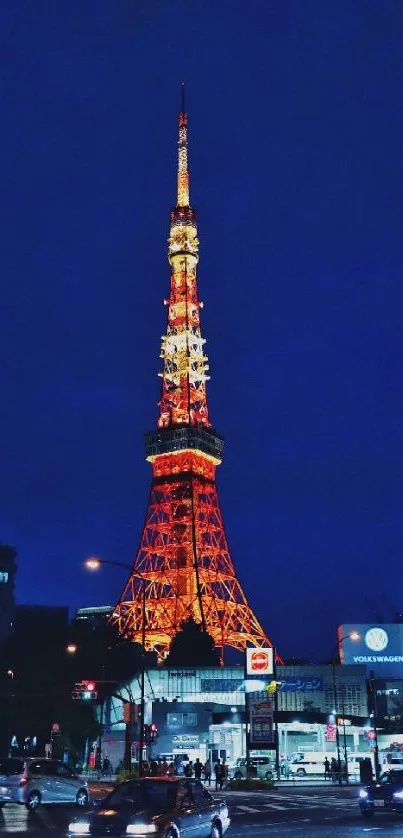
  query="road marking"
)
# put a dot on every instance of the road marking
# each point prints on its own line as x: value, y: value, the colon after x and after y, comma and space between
x: 249, y: 809
x: 275, y: 806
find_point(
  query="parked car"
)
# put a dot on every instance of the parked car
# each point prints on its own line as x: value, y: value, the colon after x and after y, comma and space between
x: 261, y: 767
x: 34, y: 781
x: 164, y: 806
x: 385, y: 794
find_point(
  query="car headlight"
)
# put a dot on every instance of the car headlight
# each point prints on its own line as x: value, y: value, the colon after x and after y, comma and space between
x: 140, y: 828
x: 79, y: 828
x: 398, y: 794
x: 362, y: 793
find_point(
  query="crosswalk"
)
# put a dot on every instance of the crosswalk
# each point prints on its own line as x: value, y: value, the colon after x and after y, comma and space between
x: 17, y: 819
x: 244, y: 803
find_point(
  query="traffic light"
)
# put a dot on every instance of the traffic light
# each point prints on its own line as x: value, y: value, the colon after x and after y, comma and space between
x: 85, y: 691
x: 150, y: 733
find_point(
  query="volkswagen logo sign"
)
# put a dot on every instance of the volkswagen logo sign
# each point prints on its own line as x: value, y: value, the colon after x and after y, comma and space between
x: 376, y: 639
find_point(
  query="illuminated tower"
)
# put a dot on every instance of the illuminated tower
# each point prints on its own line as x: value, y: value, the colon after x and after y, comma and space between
x: 183, y: 566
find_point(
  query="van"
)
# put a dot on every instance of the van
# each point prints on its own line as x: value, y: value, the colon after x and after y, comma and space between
x: 36, y: 781
x: 389, y: 760
x: 353, y: 763
x: 261, y: 767
x: 309, y: 762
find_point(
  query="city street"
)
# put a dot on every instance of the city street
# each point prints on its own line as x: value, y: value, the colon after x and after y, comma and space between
x: 283, y: 811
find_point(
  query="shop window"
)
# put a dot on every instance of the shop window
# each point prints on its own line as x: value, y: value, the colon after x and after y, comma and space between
x: 3, y: 577
x: 190, y: 719
x: 174, y: 720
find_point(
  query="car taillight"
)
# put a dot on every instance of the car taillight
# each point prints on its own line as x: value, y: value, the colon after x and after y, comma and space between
x: 23, y: 781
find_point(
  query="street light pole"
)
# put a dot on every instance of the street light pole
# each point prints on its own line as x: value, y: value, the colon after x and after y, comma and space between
x: 373, y: 716
x: 142, y: 679
x: 94, y: 564
x: 335, y: 702
x: 352, y: 636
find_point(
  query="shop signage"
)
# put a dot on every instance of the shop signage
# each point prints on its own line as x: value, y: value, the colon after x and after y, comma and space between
x: 221, y: 685
x: 259, y: 661
x: 185, y: 739
x: 182, y: 673
x: 330, y: 732
x: 381, y: 645
x: 300, y: 685
x: 261, y: 724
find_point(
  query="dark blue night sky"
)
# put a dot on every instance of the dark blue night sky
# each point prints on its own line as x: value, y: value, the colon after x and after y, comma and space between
x: 296, y: 130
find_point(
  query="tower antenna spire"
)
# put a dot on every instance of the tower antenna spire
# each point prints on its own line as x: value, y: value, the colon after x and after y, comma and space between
x: 183, y: 172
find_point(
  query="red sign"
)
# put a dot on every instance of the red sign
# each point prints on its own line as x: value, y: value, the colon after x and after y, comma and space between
x: 259, y: 661
x: 330, y: 732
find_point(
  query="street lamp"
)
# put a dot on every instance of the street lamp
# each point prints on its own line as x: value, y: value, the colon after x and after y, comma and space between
x: 71, y: 648
x: 94, y: 563
x: 352, y: 636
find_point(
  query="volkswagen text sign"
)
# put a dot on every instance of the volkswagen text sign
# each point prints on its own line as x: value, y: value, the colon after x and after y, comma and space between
x: 259, y: 662
x: 380, y: 646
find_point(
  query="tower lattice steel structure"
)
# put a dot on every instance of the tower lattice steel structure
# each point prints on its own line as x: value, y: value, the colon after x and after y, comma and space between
x: 183, y: 566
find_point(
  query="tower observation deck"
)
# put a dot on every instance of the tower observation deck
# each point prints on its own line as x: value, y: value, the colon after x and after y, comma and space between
x: 183, y: 566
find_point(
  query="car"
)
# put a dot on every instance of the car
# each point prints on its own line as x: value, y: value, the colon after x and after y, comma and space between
x: 385, y: 794
x: 33, y: 781
x: 261, y: 767
x: 162, y: 806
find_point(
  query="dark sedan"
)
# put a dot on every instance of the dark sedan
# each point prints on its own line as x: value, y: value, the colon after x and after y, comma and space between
x: 386, y: 794
x: 161, y: 806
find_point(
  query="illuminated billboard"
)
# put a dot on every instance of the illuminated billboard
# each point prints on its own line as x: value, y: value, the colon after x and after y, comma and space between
x: 259, y: 661
x: 379, y: 646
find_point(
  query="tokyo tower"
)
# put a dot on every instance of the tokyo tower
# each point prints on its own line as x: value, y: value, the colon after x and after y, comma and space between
x: 183, y: 566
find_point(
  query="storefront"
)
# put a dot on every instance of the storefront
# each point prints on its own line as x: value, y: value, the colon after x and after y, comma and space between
x: 201, y: 712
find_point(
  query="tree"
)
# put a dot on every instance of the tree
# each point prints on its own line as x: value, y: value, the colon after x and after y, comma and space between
x: 192, y: 646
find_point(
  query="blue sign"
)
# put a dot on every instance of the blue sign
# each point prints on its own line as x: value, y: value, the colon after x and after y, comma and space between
x: 379, y: 646
x: 221, y: 685
x: 289, y: 684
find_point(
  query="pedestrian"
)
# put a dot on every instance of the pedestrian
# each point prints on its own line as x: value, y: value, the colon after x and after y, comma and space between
x: 164, y: 767
x: 327, y: 769
x: 153, y: 767
x: 171, y: 769
x: 188, y: 770
x: 218, y: 775
x: 224, y: 774
x: 198, y: 768
x: 333, y: 769
x: 207, y: 771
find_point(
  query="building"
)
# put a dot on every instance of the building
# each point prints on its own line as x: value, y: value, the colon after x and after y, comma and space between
x: 8, y: 569
x: 201, y: 712
x: 94, y: 615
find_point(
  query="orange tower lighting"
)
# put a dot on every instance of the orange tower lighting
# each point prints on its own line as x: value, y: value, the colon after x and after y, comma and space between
x: 183, y: 566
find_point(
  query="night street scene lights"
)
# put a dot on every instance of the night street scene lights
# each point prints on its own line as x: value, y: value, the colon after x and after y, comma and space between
x: 92, y: 564
x: 354, y: 636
